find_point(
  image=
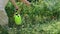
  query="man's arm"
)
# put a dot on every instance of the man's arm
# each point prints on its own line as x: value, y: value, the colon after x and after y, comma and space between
x: 26, y: 2
x: 14, y: 3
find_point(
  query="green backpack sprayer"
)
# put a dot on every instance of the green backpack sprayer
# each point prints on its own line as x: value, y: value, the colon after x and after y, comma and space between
x: 17, y: 18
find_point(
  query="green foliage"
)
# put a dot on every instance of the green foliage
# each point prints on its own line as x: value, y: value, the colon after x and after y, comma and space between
x: 39, y: 18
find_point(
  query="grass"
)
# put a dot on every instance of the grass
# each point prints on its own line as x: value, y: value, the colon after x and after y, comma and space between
x: 50, y: 28
x: 43, y: 17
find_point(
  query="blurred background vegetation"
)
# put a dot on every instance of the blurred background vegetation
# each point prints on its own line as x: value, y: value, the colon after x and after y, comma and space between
x: 42, y: 17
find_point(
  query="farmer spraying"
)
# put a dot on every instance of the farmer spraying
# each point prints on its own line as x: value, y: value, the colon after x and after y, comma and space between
x: 3, y: 15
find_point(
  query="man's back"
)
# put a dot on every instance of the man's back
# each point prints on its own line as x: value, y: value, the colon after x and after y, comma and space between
x: 3, y: 3
x: 3, y: 15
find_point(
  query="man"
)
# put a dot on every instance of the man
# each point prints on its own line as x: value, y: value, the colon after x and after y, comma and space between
x: 26, y: 2
x: 3, y: 15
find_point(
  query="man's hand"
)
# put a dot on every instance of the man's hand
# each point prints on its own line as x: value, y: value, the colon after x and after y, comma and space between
x: 14, y: 3
x: 17, y: 7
